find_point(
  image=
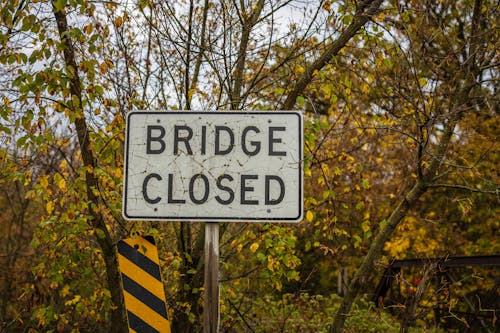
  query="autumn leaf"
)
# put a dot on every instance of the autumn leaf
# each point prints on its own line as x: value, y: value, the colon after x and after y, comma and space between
x: 118, y: 21
x: 49, y: 207
x: 62, y: 184
x: 103, y: 68
x: 44, y: 181
x: 254, y: 247
x: 309, y: 216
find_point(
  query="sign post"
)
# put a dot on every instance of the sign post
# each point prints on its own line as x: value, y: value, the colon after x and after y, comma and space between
x: 213, y: 167
x: 211, y: 303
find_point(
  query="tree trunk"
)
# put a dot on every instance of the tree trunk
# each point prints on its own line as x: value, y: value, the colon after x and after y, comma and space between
x: 374, y: 254
x: 458, y: 105
x: 118, y: 319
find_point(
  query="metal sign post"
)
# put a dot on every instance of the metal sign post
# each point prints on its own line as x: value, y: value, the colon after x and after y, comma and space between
x: 211, y: 305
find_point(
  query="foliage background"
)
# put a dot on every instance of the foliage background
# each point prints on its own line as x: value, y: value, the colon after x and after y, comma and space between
x: 401, y: 141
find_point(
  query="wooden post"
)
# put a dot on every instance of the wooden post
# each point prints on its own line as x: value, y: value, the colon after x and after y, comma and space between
x: 211, y: 306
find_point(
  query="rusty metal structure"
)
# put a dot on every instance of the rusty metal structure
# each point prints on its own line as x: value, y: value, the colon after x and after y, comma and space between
x: 445, y: 287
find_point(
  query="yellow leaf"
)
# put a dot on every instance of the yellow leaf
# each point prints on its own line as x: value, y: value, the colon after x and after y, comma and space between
x: 381, y: 16
x: 103, y: 67
x: 75, y: 300
x: 88, y: 29
x: 49, y: 207
x: 326, y: 5
x: 63, y: 165
x: 44, y: 181
x: 365, y: 88
x: 309, y: 216
x: 118, y: 21
x: 270, y: 263
x: 299, y: 69
x: 27, y: 178
x: 62, y: 184
x: 326, y: 194
x: 65, y: 291
x: 254, y: 247
x: 109, y: 62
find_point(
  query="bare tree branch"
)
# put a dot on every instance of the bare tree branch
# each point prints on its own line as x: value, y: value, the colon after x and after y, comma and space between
x: 360, y: 18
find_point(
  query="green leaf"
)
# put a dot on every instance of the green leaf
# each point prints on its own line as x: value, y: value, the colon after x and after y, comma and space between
x: 301, y: 101
x: 143, y: 4
x: 99, y: 89
x: 100, y: 234
x: 175, y: 264
x: 59, y: 5
x: 388, y: 63
x: 357, y: 241
x: 75, y: 100
x: 347, y: 19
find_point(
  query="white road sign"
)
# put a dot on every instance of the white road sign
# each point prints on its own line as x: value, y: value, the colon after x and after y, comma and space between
x: 214, y: 166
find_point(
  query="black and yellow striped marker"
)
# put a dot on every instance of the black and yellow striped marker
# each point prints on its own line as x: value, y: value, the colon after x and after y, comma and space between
x: 142, y: 286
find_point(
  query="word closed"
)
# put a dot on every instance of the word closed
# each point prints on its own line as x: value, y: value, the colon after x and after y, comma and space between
x: 207, y: 166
